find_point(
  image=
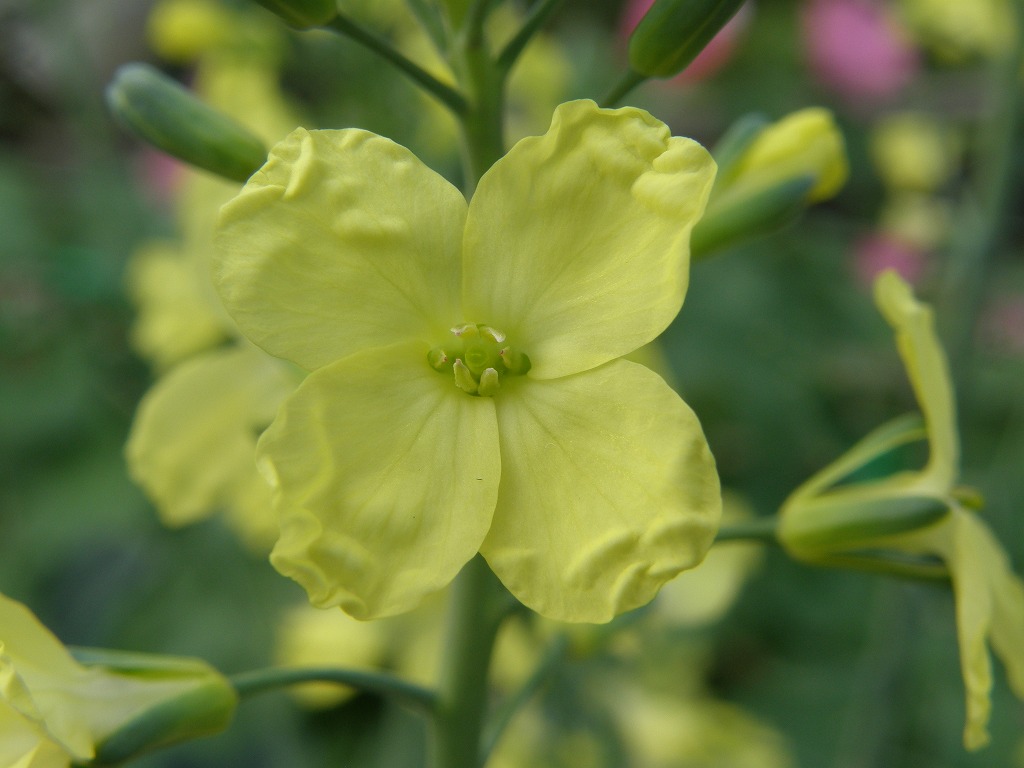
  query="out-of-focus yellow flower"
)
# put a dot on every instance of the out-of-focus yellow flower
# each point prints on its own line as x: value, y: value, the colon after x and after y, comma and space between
x: 182, y: 30
x: 312, y: 637
x: 702, y: 596
x: 187, y: 31
x: 665, y: 731
x: 960, y: 30
x: 174, y: 318
x: 192, y: 444
x: 919, y: 514
x: 55, y: 711
x: 913, y: 152
x: 416, y: 313
x: 919, y: 220
x: 409, y: 645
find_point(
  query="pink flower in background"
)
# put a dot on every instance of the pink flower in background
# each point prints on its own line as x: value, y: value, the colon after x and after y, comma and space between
x: 159, y: 176
x: 1002, y: 325
x: 857, y: 48
x: 878, y: 251
x: 713, y: 57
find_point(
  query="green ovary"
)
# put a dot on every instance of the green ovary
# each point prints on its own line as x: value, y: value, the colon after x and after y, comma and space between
x: 479, y: 357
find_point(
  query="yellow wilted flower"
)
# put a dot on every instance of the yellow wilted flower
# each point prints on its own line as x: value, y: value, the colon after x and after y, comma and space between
x: 55, y: 711
x: 919, y: 514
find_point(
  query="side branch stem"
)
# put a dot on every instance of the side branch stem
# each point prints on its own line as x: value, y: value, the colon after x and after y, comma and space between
x: 539, y: 14
x: 417, y: 698
x: 554, y: 656
x: 758, y: 529
x: 447, y: 95
x: 627, y: 83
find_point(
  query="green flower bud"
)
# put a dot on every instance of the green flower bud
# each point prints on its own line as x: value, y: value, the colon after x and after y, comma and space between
x: 168, y: 116
x: 823, y: 526
x: 673, y: 32
x: 302, y: 14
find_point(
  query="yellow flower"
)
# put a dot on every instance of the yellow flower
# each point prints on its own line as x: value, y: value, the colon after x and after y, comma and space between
x: 467, y: 392
x: 919, y: 514
x: 55, y: 711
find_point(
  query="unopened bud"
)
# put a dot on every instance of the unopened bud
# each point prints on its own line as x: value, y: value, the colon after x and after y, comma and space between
x: 171, y: 118
x: 673, y: 32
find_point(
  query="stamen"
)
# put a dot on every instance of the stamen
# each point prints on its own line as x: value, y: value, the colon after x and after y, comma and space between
x: 476, y: 350
x: 464, y: 378
x: 489, y: 383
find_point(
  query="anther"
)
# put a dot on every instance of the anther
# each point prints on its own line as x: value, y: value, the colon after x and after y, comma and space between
x: 464, y: 378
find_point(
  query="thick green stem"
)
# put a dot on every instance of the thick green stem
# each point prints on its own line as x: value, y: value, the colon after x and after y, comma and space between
x: 478, y: 600
x: 483, y: 120
x: 412, y: 696
x: 478, y: 605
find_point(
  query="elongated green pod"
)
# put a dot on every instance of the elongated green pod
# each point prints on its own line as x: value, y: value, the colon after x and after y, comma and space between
x: 673, y: 32
x: 160, y: 111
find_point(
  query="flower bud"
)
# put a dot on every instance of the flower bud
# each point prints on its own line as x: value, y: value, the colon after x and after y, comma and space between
x: 803, y: 143
x: 673, y: 32
x: 302, y: 14
x: 768, y: 174
x: 162, y: 112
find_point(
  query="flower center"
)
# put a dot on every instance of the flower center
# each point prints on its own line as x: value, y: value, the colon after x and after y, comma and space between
x: 479, y: 357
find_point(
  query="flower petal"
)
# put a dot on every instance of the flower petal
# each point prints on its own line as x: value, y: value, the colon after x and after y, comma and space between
x: 176, y: 318
x: 387, y: 477
x: 577, y: 241
x: 343, y: 241
x: 929, y: 375
x: 192, y: 446
x: 608, y: 490
x: 989, y: 609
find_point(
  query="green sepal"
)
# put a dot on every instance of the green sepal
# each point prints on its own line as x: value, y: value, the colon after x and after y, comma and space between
x: 205, y: 705
x: 734, y: 142
x: 168, y: 116
x: 673, y: 32
x: 752, y: 216
x: 302, y: 14
x: 846, y: 521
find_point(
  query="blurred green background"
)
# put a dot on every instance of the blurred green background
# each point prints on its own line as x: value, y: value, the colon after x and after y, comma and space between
x: 778, y: 349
